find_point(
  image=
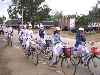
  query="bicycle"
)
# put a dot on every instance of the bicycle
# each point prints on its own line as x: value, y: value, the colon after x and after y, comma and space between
x: 35, y: 52
x: 42, y: 52
x: 32, y: 51
x: 45, y: 51
x: 94, y: 60
x: 78, y: 59
x: 67, y: 61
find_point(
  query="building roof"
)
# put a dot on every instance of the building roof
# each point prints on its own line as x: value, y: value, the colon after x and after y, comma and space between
x: 49, y: 23
x: 12, y: 22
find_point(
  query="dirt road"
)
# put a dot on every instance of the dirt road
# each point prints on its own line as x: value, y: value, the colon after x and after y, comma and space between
x: 17, y: 64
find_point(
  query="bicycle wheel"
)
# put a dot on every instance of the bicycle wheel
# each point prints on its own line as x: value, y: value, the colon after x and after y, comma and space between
x: 7, y: 41
x: 10, y: 42
x: 75, y: 60
x: 98, y: 57
x: 67, y: 67
x: 94, y: 66
x: 43, y: 54
x: 49, y: 55
x: 34, y: 54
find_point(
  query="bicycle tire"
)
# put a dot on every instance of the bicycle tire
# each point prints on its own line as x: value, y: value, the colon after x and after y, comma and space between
x: 93, y: 65
x: 35, y: 57
x: 98, y: 57
x: 67, y: 68
x: 75, y: 60
x: 9, y: 41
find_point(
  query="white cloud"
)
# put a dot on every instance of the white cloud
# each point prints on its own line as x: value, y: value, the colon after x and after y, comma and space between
x: 3, y: 7
x: 72, y: 6
x: 67, y: 6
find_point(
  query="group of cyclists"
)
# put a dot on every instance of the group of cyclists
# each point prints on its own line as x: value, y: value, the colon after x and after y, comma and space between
x: 7, y: 31
x: 26, y: 36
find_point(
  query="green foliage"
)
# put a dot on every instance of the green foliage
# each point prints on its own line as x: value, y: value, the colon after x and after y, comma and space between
x: 2, y: 19
x: 33, y: 10
x: 83, y: 21
x: 95, y: 14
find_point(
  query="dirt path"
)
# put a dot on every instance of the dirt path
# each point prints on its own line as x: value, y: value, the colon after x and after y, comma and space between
x: 19, y: 65
x: 16, y: 63
x: 4, y: 70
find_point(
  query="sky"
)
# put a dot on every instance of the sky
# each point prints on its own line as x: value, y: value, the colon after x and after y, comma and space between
x: 67, y: 6
x: 72, y: 6
x: 3, y: 7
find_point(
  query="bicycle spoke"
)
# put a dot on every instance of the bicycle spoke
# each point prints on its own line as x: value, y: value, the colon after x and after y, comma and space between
x: 94, y: 66
x: 67, y: 68
x: 35, y: 57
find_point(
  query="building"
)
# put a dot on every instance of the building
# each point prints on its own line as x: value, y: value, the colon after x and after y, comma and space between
x: 12, y: 22
x: 47, y: 24
x: 67, y: 22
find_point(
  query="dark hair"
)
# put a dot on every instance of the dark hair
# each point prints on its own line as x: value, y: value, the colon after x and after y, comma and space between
x: 41, y: 34
x: 55, y: 32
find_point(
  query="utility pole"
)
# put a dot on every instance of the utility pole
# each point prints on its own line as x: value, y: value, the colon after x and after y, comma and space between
x: 22, y: 10
x: 22, y: 15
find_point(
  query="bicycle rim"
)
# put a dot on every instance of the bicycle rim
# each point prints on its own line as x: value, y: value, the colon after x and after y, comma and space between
x: 35, y: 57
x: 75, y: 60
x: 94, y: 66
x: 67, y: 67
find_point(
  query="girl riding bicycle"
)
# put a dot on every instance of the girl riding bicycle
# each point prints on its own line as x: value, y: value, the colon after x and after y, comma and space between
x: 57, y: 45
x: 41, y: 37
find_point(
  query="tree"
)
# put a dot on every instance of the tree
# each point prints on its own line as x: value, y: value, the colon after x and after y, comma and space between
x: 33, y: 10
x: 2, y: 19
x: 95, y: 14
x: 83, y: 21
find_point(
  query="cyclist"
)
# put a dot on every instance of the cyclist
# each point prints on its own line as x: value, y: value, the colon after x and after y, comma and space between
x: 24, y: 36
x: 5, y: 31
x: 29, y: 37
x: 80, y: 44
x: 22, y: 33
x: 80, y: 37
x: 57, y: 45
x: 41, y: 37
x: 10, y: 29
x: 9, y: 33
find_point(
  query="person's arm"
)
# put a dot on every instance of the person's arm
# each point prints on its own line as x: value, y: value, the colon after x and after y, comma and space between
x: 52, y: 40
x: 60, y: 39
x: 33, y: 36
x: 45, y: 35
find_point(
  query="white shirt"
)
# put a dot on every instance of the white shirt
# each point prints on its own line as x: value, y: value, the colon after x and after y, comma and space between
x: 9, y: 30
x: 21, y: 32
x: 29, y: 34
x: 24, y: 35
x: 41, y: 40
x: 5, y: 29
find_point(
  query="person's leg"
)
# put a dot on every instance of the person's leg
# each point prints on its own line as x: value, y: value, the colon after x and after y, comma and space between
x: 57, y: 51
x: 54, y: 59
